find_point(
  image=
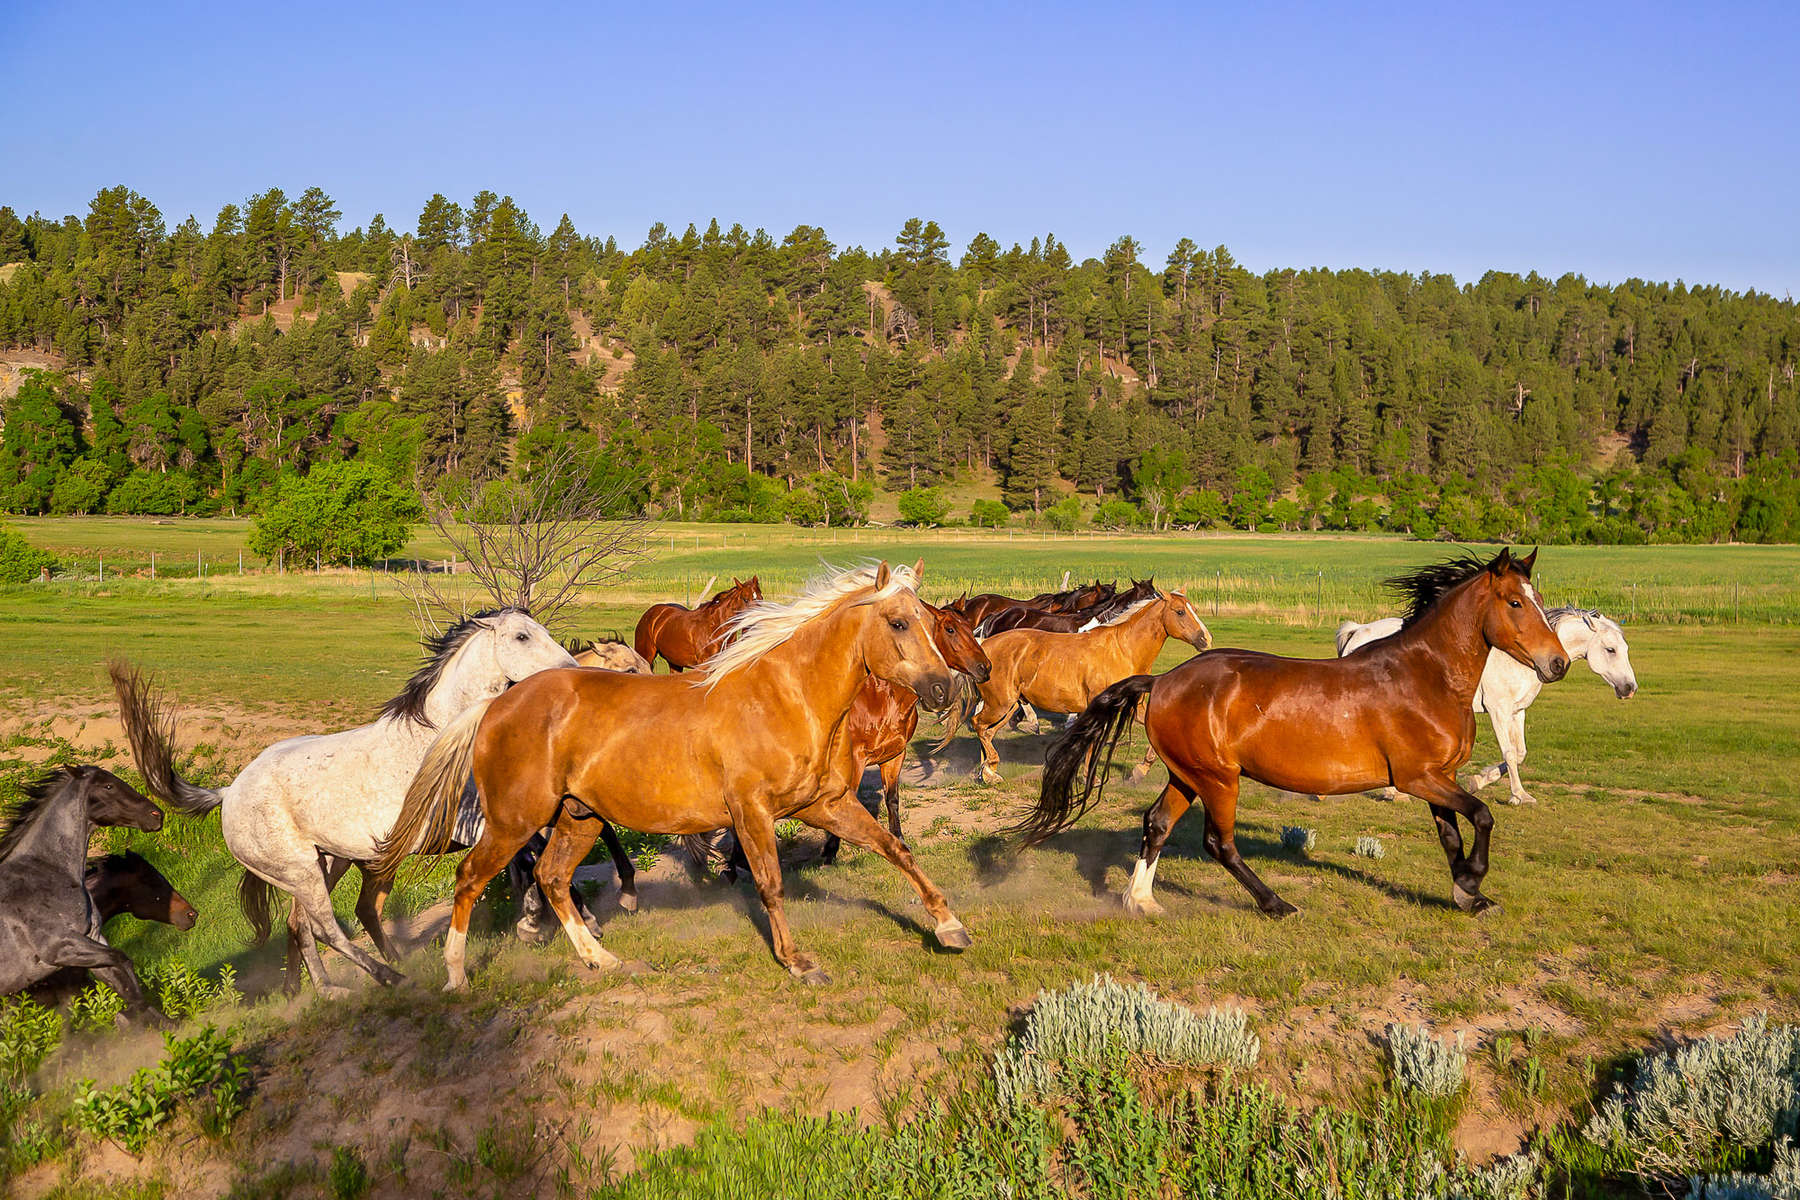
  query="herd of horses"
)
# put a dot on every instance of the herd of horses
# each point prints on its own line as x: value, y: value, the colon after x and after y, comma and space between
x: 522, y: 752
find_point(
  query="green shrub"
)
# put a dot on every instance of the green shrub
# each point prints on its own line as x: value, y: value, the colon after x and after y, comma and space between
x: 348, y: 512
x: 989, y: 514
x: 348, y: 1177
x: 28, y: 1034
x: 1424, y: 1064
x: 923, y: 506
x: 200, y: 1068
x: 1064, y: 515
x: 183, y: 992
x: 20, y: 561
x: 1117, y: 514
x: 1688, y: 1108
x: 96, y: 1007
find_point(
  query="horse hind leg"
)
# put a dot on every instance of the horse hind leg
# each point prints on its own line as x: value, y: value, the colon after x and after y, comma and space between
x: 1159, y: 822
x: 371, y: 897
x: 314, y: 900
x: 486, y: 860
x: 570, y: 840
x: 626, y: 870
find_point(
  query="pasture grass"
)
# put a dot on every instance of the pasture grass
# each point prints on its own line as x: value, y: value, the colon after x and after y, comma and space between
x: 1652, y: 891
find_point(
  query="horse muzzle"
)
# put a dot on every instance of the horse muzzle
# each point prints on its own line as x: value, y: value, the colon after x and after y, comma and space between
x: 936, y: 691
x: 1625, y: 691
x: 1554, y: 669
x: 184, y: 919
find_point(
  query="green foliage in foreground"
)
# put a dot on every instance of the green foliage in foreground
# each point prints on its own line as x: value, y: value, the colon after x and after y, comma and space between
x: 200, y: 1069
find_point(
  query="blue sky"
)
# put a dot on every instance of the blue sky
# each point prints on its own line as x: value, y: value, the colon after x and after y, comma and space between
x: 1614, y: 140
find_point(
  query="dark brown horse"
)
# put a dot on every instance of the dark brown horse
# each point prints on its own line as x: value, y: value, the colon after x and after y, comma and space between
x: 984, y: 607
x: 121, y: 885
x: 687, y: 637
x: 1074, y: 620
x: 1398, y: 711
x: 756, y: 739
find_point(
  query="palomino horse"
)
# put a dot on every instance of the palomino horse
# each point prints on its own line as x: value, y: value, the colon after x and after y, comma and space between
x: 47, y: 918
x: 1063, y: 672
x: 609, y: 654
x: 1507, y: 689
x: 755, y: 739
x: 1397, y: 711
x: 687, y: 637
x: 307, y: 808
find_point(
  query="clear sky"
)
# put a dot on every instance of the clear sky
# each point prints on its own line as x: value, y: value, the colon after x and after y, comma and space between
x: 1614, y: 140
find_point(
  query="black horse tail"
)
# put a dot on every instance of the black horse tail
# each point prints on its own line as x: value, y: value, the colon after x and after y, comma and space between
x: 254, y: 894
x: 151, y: 732
x: 1085, y: 750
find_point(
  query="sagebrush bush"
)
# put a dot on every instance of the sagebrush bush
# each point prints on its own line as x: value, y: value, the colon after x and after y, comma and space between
x: 1684, y: 1107
x: 1781, y: 1183
x: 1297, y: 839
x: 1369, y: 847
x: 1426, y: 1064
x: 1093, y: 1021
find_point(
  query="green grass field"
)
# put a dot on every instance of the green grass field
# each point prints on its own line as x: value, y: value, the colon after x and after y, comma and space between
x: 1652, y: 893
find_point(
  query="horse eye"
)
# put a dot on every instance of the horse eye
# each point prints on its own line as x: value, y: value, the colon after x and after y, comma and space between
x: 899, y: 626
x: 1515, y: 604
x: 524, y: 637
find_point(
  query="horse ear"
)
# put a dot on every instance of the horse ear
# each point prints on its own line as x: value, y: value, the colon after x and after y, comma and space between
x: 1525, y: 564
x: 882, y: 574
x: 1502, y: 561
x: 918, y: 572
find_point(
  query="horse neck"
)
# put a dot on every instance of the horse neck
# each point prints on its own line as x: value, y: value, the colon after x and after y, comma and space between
x: 1142, y: 633
x: 62, y: 822
x: 1451, y: 637
x: 817, y: 671
x: 470, y: 677
x: 1571, y: 629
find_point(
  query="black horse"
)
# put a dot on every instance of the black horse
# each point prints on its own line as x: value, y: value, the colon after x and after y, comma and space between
x: 120, y: 885
x: 47, y: 918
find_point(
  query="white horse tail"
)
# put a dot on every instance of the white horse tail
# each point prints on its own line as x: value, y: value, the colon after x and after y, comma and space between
x: 428, y: 818
x: 151, y: 732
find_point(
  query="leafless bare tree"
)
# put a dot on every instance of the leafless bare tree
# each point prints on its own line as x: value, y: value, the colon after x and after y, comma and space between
x: 535, y: 542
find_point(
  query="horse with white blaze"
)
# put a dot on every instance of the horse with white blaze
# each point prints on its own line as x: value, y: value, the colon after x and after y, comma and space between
x: 1507, y: 688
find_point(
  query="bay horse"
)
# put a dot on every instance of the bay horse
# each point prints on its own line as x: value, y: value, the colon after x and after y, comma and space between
x: 687, y: 637
x: 1073, y: 620
x: 1507, y: 688
x: 306, y: 809
x: 1397, y: 711
x: 984, y: 607
x: 120, y: 885
x: 1064, y: 672
x: 48, y: 919
x: 756, y: 738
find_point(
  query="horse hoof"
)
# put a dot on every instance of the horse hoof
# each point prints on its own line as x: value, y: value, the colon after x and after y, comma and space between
x: 991, y: 777
x: 1142, y: 906
x: 628, y: 901
x: 1279, y: 909
x: 809, y: 972
x: 952, y: 936
x: 1473, y: 903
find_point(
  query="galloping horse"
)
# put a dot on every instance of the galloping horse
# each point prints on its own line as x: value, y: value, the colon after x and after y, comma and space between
x: 120, y: 884
x: 1397, y: 711
x: 687, y: 637
x: 1073, y: 620
x: 756, y: 738
x: 1507, y: 689
x: 47, y: 918
x: 987, y: 605
x: 1063, y: 672
x: 306, y: 808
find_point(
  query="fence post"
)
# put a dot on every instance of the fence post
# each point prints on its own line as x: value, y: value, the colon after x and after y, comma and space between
x: 103, y: 568
x: 199, y: 565
x: 153, y: 564
x: 240, y: 562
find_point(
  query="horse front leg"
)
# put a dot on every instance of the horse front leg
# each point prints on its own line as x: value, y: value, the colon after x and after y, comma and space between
x: 755, y: 828
x: 570, y: 840
x: 108, y: 965
x: 627, y: 870
x: 845, y: 816
x: 1448, y: 798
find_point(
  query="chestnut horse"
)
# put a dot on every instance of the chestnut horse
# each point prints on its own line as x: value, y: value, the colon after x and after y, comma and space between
x: 1063, y: 672
x: 755, y: 739
x: 687, y: 637
x: 1398, y: 711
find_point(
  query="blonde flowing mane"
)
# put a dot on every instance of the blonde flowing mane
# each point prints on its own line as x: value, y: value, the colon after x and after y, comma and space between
x: 766, y: 624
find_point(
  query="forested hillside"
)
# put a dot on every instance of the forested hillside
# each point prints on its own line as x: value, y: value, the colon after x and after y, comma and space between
x: 734, y: 374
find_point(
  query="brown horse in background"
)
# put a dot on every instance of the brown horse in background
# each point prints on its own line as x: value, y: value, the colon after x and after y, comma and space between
x: 756, y: 739
x: 1073, y: 620
x: 1063, y: 672
x: 1397, y: 711
x: 687, y: 637
x: 982, y: 608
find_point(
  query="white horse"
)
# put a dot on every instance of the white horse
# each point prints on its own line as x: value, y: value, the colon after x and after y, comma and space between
x: 1507, y: 688
x: 307, y: 808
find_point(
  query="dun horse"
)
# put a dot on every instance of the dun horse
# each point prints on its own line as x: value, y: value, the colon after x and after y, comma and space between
x: 687, y: 637
x: 755, y: 739
x: 1063, y: 672
x: 1397, y: 711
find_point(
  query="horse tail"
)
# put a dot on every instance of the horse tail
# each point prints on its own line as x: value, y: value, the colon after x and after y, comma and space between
x: 254, y: 895
x: 1088, y: 743
x: 644, y: 640
x: 151, y: 732
x: 699, y: 849
x: 428, y: 817
x: 961, y: 702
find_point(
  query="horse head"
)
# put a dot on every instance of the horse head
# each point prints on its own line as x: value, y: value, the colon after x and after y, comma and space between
x: 1607, y: 653
x: 898, y: 644
x: 1513, y: 619
x: 521, y: 647
x: 128, y: 883
x: 1181, y: 621
x: 112, y: 801
x: 955, y: 640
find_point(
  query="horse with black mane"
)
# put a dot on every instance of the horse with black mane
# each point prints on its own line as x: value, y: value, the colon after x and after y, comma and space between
x: 121, y: 885
x: 48, y: 920
x: 1398, y: 711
